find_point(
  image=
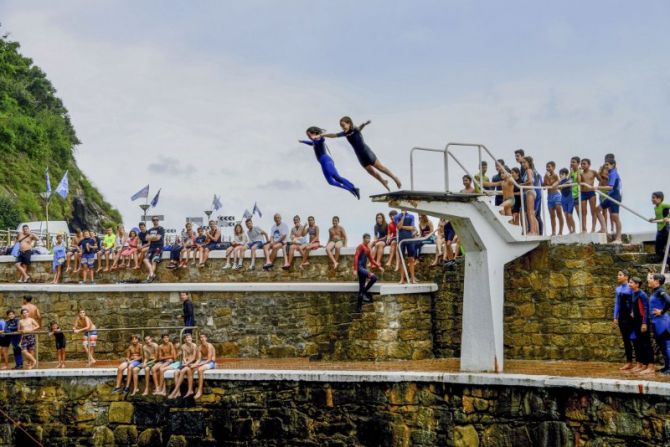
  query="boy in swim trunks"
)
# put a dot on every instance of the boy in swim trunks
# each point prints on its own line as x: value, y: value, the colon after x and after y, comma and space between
x: 149, y: 351
x: 188, y: 357
x: 567, y: 199
x: 206, y: 359
x: 551, y: 179
x: 88, y: 247
x: 167, y: 355
x: 25, y: 241
x: 132, y: 360
x: 312, y: 230
x: 28, y: 325
x: 588, y: 197
x: 337, y: 238
x: 84, y: 324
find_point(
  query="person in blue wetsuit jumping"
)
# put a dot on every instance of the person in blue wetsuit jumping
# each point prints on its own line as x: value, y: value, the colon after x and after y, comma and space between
x: 365, y: 156
x: 318, y: 143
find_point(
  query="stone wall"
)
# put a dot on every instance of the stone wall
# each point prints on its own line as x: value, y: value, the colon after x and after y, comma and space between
x: 559, y: 301
x: 252, y: 324
x: 73, y: 412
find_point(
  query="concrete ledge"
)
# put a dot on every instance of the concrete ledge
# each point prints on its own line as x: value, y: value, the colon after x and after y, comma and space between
x: 335, y: 287
x: 580, y: 238
x: 476, y: 379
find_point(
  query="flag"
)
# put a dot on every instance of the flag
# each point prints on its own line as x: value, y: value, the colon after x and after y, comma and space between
x: 154, y: 201
x: 144, y: 192
x: 257, y: 210
x: 63, y: 187
x: 216, y: 203
x: 46, y: 174
x: 247, y: 215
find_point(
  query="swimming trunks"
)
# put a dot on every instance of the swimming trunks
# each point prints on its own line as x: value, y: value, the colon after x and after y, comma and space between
x: 28, y: 342
x: 60, y: 340
x: 609, y: 205
x: 568, y: 204
x: 554, y: 199
x: 24, y: 257
x: 510, y: 200
x: 90, y: 338
x: 586, y: 195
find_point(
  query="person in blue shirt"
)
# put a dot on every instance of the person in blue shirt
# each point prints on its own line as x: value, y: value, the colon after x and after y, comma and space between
x: 89, y: 248
x: 659, y: 306
x: 318, y: 143
x: 365, y: 156
x: 4, y: 345
x: 640, y: 333
x: 406, y: 230
x: 567, y: 200
x: 613, y: 189
x: 12, y: 325
x: 622, y: 313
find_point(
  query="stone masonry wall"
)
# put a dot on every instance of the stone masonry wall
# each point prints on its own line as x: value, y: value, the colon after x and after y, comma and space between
x: 559, y: 301
x: 83, y: 412
x: 252, y: 324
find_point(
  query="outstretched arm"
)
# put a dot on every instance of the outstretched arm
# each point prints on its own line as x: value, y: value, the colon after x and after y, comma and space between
x: 332, y: 135
x: 307, y: 142
x: 364, y: 124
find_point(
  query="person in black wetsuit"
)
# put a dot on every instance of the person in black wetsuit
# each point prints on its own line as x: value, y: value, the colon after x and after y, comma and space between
x: 365, y: 156
x: 622, y: 312
x: 333, y: 178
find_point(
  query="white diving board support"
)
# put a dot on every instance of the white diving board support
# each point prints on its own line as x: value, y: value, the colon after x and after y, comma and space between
x: 489, y: 242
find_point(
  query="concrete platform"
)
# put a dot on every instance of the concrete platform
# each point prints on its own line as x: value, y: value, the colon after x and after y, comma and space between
x: 539, y: 375
x: 334, y: 287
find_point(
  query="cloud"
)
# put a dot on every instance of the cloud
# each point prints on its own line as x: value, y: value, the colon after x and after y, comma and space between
x: 171, y: 166
x: 284, y: 185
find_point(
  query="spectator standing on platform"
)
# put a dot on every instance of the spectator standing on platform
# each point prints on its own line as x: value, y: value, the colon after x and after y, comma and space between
x: 33, y: 311
x: 27, y: 326
x: 257, y: 240
x: 623, y: 296
x: 497, y: 179
x: 337, y: 239
x: 392, y: 241
x: 662, y: 212
x: 313, y: 243
x: 59, y: 255
x: 379, y: 242
x: 25, y: 240
x: 366, y: 279
x: 640, y: 334
x: 278, y: 239
x: 59, y: 338
x: 156, y: 239
x: 613, y: 188
x: 529, y: 195
x: 481, y: 178
x: 12, y: 326
x: 603, y: 179
x: 132, y: 361
x: 567, y: 199
x: 84, y: 324
x: 88, y: 249
x: 659, y: 306
x: 588, y: 177
x: 575, y: 173
x: 187, y: 311
x: 406, y: 230
x: 467, y: 185
x: 551, y: 180
x: 296, y: 240
x: 519, y: 155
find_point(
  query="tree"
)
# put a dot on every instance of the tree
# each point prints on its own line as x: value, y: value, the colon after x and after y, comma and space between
x: 9, y: 213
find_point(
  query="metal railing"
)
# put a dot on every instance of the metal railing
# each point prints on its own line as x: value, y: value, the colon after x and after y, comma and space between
x: 426, y: 149
x: 141, y: 329
x: 402, y: 257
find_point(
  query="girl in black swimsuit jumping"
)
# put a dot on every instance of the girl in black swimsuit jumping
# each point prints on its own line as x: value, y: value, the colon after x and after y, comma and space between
x: 365, y: 156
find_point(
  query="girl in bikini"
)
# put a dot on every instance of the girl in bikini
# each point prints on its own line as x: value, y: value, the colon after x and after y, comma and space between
x: 365, y: 156
x: 528, y: 179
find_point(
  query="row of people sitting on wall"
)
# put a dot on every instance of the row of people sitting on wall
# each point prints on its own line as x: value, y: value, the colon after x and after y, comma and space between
x: 143, y: 247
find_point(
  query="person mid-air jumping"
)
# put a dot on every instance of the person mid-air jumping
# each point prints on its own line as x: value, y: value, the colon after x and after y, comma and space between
x: 366, y: 157
x: 318, y: 143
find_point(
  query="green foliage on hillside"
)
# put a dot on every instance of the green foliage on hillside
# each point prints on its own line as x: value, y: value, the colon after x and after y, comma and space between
x: 35, y: 132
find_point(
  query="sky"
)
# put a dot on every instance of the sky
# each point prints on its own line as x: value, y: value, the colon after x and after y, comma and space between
x: 211, y: 97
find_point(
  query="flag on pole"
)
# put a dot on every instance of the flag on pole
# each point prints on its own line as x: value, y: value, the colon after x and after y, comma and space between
x: 46, y: 174
x: 247, y: 215
x: 63, y: 187
x: 257, y: 210
x: 144, y: 192
x: 216, y: 203
x: 154, y: 201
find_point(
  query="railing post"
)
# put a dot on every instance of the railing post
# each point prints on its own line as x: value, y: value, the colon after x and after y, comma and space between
x: 579, y: 207
x: 411, y: 169
x: 664, y: 261
x: 446, y: 170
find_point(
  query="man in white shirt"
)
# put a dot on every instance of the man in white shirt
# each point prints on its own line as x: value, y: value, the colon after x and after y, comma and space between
x: 278, y: 236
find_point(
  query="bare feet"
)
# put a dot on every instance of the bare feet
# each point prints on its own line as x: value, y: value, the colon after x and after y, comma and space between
x: 189, y: 394
x: 146, y: 393
x: 106, y: 270
x: 626, y: 367
x: 397, y: 182
x: 648, y: 370
x: 386, y: 184
x: 197, y: 395
x: 335, y: 265
x: 134, y: 392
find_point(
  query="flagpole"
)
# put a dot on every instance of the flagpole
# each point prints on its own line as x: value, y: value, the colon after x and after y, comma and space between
x: 47, y: 196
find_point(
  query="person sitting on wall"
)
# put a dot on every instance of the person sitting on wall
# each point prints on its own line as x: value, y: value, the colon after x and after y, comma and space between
x: 167, y: 355
x: 212, y: 241
x: 25, y: 244
x: 205, y: 359
x: 174, y: 366
x: 644, y: 354
x: 392, y: 242
x: 278, y: 239
x: 337, y: 239
x: 156, y: 239
x: 257, y: 239
x: 149, y: 351
x: 313, y: 242
x: 622, y: 315
x: 659, y: 306
x: 143, y: 246
x: 74, y: 253
x: 107, y: 249
x: 132, y: 360
x: 295, y: 241
x: 188, y: 356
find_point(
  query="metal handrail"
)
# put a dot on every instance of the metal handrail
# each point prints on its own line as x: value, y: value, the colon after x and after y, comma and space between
x: 402, y: 257
x: 142, y: 330
x: 426, y: 149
